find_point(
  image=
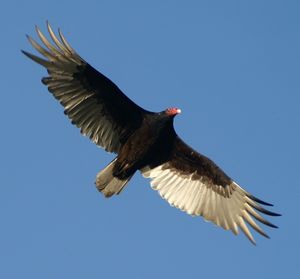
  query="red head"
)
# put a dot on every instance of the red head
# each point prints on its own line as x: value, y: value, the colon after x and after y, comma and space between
x: 172, y: 111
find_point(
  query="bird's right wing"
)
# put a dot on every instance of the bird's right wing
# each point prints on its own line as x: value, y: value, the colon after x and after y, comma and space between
x: 92, y: 102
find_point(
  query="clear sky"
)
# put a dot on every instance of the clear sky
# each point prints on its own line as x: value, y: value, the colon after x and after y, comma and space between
x: 233, y: 69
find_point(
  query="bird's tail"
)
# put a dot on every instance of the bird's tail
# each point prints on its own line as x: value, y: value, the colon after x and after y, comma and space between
x: 107, y: 183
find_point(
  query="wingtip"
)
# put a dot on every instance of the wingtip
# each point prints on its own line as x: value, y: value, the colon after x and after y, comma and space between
x: 48, y: 25
x: 25, y: 52
x: 259, y: 200
x: 270, y: 213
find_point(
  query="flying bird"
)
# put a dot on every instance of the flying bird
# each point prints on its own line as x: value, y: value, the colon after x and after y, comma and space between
x: 144, y: 141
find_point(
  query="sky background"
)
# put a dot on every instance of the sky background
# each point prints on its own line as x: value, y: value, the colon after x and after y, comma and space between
x: 233, y: 69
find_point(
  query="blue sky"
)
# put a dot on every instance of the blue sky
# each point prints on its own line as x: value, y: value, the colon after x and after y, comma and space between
x: 233, y: 69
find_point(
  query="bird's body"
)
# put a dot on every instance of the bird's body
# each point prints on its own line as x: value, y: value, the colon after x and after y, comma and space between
x: 143, y: 141
x: 151, y: 143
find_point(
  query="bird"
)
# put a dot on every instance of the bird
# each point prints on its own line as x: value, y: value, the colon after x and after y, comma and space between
x: 143, y: 141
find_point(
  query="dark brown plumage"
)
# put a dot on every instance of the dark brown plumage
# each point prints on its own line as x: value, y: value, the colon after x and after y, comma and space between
x: 144, y: 141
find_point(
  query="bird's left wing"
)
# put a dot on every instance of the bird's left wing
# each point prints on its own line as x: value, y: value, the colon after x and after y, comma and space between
x: 196, y: 185
x: 92, y: 101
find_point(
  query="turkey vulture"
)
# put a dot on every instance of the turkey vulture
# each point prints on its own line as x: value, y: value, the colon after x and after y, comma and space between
x: 144, y: 141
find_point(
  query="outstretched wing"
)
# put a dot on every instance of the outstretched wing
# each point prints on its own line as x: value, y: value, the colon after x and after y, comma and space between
x: 196, y: 185
x: 93, y: 102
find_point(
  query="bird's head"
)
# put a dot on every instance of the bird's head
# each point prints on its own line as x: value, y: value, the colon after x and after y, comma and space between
x: 172, y: 111
x: 166, y: 117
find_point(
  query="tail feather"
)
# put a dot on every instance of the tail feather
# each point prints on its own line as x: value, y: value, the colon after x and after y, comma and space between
x: 107, y: 183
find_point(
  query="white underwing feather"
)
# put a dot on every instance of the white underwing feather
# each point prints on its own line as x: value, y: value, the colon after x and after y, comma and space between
x: 228, y: 207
